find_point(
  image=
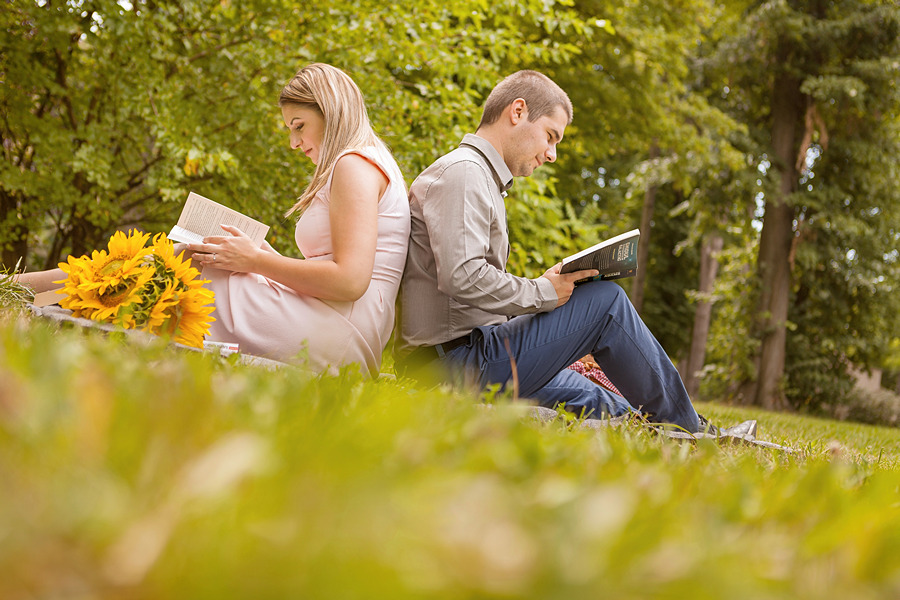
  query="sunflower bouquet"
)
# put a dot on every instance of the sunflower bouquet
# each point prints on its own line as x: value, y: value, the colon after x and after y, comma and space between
x: 140, y: 287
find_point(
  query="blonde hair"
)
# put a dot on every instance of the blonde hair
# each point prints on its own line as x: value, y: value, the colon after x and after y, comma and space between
x: 337, y: 98
x: 541, y: 95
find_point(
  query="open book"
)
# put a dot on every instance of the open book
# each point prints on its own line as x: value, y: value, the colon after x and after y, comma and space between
x: 615, y: 258
x: 201, y: 218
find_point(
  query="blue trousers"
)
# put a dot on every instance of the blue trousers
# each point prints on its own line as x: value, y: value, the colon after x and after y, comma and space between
x: 600, y: 320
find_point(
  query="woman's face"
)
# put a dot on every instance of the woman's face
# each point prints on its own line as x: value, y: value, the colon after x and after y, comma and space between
x: 306, y: 127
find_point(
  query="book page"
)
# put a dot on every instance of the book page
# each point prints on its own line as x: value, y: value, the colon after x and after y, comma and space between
x: 180, y: 234
x: 201, y: 218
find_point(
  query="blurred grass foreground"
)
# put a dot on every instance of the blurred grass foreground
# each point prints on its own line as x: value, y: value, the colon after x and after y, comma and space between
x: 136, y: 471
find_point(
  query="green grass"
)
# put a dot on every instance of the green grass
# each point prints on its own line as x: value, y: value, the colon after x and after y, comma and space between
x: 136, y: 471
x: 812, y: 436
x: 12, y: 294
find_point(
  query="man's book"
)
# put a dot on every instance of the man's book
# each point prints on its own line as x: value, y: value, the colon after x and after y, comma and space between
x: 615, y: 258
x: 201, y: 218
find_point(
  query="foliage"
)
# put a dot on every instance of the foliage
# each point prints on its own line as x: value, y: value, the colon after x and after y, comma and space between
x: 880, y: 407
x: 544, y: 229
x: 135, y: 471
x: 847, y: 214
x: 98, y: 137
x: 731, y: 347
x: 634, y: 93
x: 667, y: 307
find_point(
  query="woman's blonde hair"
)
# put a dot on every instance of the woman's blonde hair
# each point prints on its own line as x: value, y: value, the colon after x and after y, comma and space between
x: 337, y: 98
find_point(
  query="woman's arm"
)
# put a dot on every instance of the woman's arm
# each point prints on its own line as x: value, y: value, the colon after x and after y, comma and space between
x: 268, y: 247
x: 356, y: 187
x: 41, y: 281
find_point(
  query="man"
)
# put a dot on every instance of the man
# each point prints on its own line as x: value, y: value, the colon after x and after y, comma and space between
x: 462, y: 310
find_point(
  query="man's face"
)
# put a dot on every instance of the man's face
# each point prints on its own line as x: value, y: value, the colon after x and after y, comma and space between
x: 534, y: 142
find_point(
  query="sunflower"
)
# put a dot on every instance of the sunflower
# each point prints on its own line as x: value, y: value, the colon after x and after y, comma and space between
x: 109, y: 305
x: 184, y: 305
x: 140, y: 288
x: 98, y: 287
x: 117, y: 268
x: 162, y: 310
x: 187, y: 319
x: 179, y: 266
x: 75, y: 285
x: 198, y: 304
x: 97, y: 296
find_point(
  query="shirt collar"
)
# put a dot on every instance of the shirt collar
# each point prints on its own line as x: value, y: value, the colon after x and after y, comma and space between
x: 502, y: 173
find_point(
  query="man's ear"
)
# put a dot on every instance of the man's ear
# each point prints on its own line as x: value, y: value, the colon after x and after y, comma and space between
x: 517, y: 111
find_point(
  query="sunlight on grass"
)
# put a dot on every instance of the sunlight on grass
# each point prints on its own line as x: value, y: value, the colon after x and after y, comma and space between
x: 143, y: 472
x: 818, y: 437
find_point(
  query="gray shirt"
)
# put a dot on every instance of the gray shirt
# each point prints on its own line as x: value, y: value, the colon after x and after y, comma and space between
x: 455, y: 277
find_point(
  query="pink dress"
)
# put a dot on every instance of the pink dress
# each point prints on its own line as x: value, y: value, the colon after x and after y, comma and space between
x: 269, y: 319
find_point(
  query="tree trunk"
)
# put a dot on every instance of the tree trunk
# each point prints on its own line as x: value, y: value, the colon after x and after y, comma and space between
x: 18, y: 249
x: 643, y: 251
x: 16, y: 235
x: 773, y: 262
x: 709, y: 266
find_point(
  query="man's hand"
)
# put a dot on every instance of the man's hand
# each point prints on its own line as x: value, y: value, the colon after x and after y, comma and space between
x: 565, y: 284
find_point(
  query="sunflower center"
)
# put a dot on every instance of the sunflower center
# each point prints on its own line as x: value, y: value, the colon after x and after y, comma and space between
x: 171, y: 324
x: 113, y: 265
x: 115, y: 296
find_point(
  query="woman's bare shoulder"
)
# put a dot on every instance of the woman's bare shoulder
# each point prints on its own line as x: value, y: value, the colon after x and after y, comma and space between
x: 355, y: 168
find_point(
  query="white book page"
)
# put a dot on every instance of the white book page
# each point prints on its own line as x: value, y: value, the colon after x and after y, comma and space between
x: 180, y: 234
x: 202, y: 217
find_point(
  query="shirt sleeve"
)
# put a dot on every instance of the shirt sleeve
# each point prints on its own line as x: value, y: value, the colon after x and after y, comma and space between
x: 459, y: 213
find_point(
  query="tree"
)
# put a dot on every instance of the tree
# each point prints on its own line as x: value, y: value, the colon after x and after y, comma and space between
x: 709, y: 266
x: 822, y: 146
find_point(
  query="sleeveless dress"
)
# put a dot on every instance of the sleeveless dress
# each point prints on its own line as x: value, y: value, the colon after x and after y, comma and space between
x: 271, y: 320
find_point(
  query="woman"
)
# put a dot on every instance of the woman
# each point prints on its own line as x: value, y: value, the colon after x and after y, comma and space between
x: 336, y: 306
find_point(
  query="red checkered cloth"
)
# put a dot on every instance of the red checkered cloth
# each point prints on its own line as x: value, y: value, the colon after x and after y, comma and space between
x: 595, y: 374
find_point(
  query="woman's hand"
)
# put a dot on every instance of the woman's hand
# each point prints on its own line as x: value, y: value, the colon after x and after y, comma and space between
x: 235, y: 252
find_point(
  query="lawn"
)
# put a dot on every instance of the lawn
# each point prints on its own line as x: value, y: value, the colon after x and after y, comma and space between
x: 138, y: 471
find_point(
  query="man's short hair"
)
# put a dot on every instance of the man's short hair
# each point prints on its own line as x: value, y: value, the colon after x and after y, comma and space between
x: 540, y: 93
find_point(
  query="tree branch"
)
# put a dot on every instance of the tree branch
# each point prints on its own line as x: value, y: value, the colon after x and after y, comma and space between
x: 220, y: 47
x: 61, y: 80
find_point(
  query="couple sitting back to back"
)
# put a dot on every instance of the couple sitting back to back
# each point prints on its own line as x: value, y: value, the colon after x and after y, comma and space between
x: 462, y: 314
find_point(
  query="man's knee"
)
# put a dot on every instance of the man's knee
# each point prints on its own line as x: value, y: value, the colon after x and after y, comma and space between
x: 610, y: 290
x: 599, y: 298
